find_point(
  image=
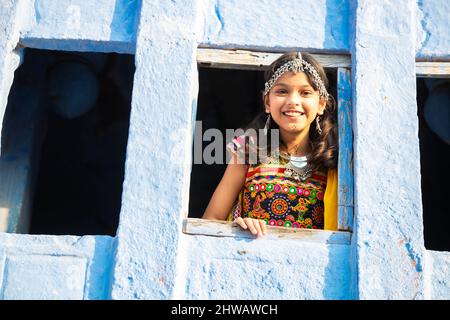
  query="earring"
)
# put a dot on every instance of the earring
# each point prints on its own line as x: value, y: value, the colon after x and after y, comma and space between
x: 267, y: 125
x: 318, y: 128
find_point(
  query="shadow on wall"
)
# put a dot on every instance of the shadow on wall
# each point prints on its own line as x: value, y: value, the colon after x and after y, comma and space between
x: 101, y: 268
x: 125, y: 20
x: 338, y: 273
x: 336, y: 31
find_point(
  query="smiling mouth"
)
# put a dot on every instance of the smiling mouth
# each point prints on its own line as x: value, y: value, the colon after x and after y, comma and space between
x: 293, y: 113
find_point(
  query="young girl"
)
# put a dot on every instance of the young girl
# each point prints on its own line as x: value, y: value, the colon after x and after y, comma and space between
x: 296, y: 185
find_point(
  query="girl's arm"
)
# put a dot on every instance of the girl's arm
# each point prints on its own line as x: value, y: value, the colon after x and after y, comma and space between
x: 227, y: 191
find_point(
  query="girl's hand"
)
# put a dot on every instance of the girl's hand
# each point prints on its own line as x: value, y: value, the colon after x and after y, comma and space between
x: 256, y: 226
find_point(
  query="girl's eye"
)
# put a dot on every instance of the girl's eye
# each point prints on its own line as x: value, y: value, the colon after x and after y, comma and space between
x: 281, y: 91
x: 307, y: 93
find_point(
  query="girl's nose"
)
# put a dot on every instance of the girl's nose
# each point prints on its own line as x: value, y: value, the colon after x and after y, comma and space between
x: 295, y: 98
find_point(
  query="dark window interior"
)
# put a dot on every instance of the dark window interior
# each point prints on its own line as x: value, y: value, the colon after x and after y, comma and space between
x: 85, y: 99
x: 433, y: 101
x: 228, y: 99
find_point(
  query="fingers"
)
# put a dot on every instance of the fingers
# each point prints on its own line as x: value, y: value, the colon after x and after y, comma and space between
x: 258, y: 228
x: 251, y: 225
x: 255, y: 226
x: 263, y: 225
x: 241, y: 222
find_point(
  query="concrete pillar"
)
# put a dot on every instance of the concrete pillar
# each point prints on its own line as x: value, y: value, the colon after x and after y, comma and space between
x: 388, y: 210
x: 156, y: 186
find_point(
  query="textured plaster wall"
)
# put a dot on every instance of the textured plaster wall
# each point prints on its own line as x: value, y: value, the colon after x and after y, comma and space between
x: 438, y: 282
x: 387, y: 159
x: 55, y: 267
x: 156, y: 186
x: 155, y: 195
x: 264, y: 269
x: 300, y: 24
x: 151, y: 258
x: 433, y: 25
x: 101, y: 25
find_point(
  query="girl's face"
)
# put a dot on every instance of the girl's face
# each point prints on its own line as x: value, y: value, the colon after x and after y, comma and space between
x: 293, y: 103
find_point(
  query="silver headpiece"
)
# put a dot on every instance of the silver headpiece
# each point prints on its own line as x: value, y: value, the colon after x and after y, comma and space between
x: 298, y: 65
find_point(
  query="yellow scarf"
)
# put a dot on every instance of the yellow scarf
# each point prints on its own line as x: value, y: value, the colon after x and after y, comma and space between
x: 330, y: 201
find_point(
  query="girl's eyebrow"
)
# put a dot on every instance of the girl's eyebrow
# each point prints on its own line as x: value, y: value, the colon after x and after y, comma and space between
x: 287, y: 85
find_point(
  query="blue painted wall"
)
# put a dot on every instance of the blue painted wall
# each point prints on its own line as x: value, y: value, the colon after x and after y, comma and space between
x: 151, y: 258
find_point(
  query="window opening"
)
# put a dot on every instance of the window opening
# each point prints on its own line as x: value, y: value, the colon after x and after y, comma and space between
x: 227, y: 99
x: 433, y: 102
x: 77, y: 170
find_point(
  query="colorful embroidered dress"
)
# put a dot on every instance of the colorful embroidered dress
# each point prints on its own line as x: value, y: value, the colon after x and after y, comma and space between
x: 272, y: 194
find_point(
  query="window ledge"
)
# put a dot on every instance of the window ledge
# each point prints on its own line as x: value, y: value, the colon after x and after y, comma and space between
x: 231, y: 229
x: 433, y: 69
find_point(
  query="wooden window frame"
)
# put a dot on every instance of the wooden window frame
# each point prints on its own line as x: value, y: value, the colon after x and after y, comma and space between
x: 430, y: 69
x: 252, y: 60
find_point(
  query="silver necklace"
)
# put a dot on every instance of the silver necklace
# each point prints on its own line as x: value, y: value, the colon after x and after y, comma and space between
x: 299, y: 174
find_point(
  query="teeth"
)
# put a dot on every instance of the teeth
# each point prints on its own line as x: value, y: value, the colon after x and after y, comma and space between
x: 292, y: 113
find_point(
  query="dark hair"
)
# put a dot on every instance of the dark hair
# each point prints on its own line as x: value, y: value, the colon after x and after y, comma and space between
x: 324, y: 146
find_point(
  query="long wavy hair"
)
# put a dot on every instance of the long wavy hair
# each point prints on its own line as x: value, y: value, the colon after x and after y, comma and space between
x: 324, y: 146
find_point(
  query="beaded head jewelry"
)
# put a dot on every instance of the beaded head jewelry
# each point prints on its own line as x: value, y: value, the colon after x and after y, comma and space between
x: 298, y: 65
